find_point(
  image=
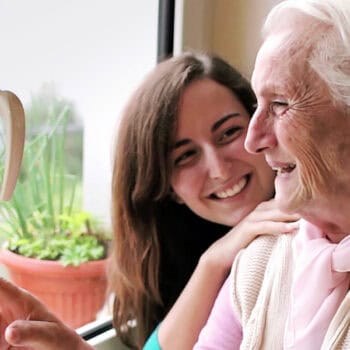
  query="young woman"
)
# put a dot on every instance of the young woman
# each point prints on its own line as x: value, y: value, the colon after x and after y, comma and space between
x: 181, y: 180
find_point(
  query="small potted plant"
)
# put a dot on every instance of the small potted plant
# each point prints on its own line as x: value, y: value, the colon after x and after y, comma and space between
x: 52, y: 247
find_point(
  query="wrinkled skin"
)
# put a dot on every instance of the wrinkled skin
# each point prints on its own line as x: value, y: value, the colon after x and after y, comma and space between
x: 299, y: 123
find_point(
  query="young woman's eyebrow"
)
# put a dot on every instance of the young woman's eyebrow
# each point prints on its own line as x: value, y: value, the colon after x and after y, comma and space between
x: 216, y: 125
x: 222, y: 120
x: 181, y: 143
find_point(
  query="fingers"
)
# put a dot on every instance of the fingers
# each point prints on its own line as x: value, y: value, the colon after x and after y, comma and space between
x: 276, y: 227
x: 40, y: 335
x: 269, y: 211
x: 22, y: 304
x: 3, y: 325
x: 13, y: 302
x: 11, y: 293
x: 8, y: 290
x: 271, y: 205
x: 26, y: 323
x: 264, y: 220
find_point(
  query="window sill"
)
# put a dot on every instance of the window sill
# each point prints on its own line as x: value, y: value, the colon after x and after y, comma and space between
x: 101, y: 335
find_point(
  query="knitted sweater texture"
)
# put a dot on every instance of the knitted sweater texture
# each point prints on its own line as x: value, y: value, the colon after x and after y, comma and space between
x: 260, y: 293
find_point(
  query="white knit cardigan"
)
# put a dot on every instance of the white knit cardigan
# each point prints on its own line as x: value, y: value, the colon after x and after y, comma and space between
x: 260, y: 291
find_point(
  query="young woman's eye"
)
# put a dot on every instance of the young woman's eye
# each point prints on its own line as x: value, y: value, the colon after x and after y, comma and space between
x: 184, y: 158
x: 230, y: 134
x: 278, y: 108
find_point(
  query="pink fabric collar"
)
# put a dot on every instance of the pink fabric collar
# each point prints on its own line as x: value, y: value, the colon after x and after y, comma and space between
x: 321, y: 281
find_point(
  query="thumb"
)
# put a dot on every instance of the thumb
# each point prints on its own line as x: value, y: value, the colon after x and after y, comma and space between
x: 41, y: 335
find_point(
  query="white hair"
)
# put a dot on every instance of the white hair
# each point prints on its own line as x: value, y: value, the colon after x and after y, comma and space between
x: 330, y: 57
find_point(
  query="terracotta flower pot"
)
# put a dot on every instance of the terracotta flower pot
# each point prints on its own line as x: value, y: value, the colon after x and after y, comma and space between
x: 74, y: 294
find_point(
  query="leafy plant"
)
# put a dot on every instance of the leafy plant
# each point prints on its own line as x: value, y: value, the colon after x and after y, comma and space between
x: 44, y: 218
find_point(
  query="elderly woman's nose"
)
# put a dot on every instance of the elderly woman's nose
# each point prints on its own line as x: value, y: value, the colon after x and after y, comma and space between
x: 218, y: 165
x: 260, y: 135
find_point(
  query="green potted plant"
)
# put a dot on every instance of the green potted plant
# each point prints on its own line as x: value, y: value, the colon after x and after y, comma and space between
x: 52, y: 247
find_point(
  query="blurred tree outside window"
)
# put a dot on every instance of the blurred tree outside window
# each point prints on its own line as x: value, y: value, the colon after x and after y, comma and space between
x: 46, y: 105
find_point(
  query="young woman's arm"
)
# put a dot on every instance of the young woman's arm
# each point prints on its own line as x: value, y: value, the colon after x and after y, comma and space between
x: 182, y: 325
x: 223, y: 330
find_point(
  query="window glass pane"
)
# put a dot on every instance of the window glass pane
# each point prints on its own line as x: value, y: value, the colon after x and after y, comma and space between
x: 91, y: 52
x: 79, y: 60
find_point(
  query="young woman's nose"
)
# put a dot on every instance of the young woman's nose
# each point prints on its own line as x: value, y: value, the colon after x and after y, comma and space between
x: 260, y: 135
x: 217, y: 164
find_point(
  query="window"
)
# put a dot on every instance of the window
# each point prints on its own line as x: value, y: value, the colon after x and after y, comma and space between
x: 94, y: 52
x: 91, y: 53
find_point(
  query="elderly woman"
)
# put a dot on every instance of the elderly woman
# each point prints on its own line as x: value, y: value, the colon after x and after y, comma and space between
x: 298, y: 296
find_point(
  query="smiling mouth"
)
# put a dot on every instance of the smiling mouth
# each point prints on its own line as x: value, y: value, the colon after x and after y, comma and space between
x: 232, y: 191
x: 285, y: 169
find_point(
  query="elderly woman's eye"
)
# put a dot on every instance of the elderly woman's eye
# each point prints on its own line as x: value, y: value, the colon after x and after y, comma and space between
x: 278, y: 108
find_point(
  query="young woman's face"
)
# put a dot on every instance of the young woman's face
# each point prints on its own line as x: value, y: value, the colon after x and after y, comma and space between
x: 212, y: 172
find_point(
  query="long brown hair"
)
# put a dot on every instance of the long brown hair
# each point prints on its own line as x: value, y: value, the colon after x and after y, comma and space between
x: 150, y: 230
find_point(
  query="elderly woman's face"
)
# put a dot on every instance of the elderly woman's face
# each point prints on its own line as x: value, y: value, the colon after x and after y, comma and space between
x: 304, y: 135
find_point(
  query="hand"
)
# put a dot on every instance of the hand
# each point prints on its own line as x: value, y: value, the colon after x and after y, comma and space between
x: 26, y: 324
x: 265, y: 219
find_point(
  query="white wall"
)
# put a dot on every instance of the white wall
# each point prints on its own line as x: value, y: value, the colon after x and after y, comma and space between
x: 95, y: 52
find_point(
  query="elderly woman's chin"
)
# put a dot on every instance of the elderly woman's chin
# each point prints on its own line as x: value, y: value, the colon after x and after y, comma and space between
x: 289, y: 192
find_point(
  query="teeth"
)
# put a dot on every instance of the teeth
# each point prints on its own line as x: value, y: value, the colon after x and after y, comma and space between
x: 237, y: 188
x: 287, y: 169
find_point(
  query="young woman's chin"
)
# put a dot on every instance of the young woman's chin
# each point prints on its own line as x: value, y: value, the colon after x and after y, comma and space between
x: 228, y: 215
